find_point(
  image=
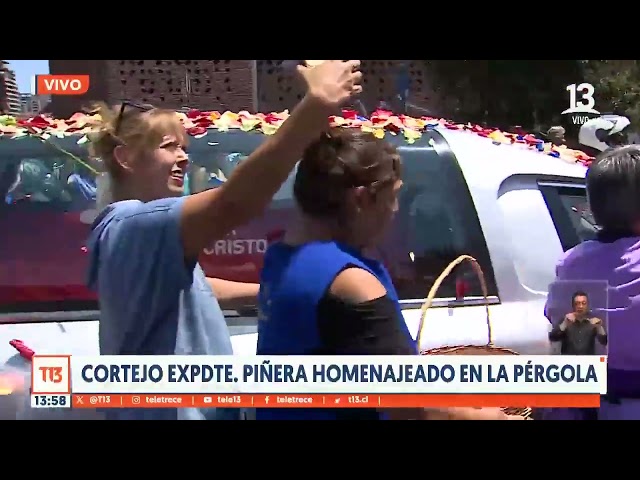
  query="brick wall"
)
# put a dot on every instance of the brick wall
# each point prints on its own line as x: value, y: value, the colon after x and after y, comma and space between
x: 279, y: 89
x: 202, y: 84
x: 227, y: 84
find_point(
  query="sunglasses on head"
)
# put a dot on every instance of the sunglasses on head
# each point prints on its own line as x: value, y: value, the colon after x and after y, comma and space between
x: 123, y: 106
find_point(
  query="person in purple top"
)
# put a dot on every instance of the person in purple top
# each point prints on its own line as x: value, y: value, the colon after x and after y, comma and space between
x: 613, y: 188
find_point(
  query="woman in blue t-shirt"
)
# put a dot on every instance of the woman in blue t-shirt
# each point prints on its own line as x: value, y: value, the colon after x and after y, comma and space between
x: 319, y: 293
x: 144, y: 247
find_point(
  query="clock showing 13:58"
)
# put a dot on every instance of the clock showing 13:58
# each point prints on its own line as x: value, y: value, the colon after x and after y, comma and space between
x: 51, y: 401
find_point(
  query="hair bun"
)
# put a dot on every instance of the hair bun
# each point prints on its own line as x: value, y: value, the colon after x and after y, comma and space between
x: 335, y: 138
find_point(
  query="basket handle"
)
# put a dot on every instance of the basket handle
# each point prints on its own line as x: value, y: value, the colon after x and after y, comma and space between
x: 436, y: 285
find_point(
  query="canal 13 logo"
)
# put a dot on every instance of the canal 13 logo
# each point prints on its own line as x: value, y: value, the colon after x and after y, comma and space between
x: 581, y: 103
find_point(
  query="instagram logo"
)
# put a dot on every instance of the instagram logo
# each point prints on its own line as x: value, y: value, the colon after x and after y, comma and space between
x: 266, y: 400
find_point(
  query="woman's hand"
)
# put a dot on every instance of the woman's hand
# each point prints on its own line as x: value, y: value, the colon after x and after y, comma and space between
x: 333, y: 82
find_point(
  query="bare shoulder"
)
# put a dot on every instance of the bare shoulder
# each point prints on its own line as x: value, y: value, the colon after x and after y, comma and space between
x: 356, y: 285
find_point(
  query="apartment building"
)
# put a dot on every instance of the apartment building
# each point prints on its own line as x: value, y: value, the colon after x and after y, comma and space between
x: 33, y: 104
x: 9, y: 95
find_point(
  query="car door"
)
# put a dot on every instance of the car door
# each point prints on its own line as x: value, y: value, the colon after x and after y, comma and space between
x: 544, y: 216
x: 436, y: 223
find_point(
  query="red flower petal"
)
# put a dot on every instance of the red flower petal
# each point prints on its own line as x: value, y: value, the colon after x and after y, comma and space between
x: 196, y: 130
x: 349, y: 114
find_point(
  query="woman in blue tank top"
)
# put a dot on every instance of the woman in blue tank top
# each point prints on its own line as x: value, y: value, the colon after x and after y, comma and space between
x: 319, y: 293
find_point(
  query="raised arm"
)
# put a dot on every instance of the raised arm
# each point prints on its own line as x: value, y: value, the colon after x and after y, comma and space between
x: 209, y: 215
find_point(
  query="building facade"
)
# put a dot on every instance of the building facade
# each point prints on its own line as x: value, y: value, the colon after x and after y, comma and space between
x: 253, y: 85
x: 201, y: 84
x: 9, y: 95
x: 33, y: 104
x: 384, y: 82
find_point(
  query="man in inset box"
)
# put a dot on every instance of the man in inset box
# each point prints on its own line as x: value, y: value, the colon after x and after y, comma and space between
x: 577, y: 333
x: 579, y: 329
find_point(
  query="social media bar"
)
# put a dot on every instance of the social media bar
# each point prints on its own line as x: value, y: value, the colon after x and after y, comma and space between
x: 287, y: 400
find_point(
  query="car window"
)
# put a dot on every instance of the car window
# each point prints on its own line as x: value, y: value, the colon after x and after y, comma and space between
x: 47, y: 204
x: 53, y: 180
x: 570, y: 212
x: 577, y: 207
x: 436, y: 223
x: 210, y: 169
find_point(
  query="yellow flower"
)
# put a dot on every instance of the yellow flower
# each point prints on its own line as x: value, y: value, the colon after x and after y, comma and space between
x: 249, y: 124
x: 268, y: 129
x: 411, y: 135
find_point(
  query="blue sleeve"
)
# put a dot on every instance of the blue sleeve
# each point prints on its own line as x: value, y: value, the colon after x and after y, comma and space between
x: 142, y: 241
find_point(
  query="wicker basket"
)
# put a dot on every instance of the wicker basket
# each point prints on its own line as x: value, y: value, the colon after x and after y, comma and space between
x: 489, y: 348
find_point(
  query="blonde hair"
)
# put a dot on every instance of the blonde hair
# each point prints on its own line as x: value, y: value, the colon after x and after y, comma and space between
x: 139, y: 127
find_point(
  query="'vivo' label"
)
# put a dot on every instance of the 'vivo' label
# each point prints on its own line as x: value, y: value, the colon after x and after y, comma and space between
x: 60, y: 84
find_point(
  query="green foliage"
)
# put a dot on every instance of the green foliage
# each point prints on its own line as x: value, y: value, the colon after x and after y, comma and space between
x: 532, y: 93
x: 617, y: 86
